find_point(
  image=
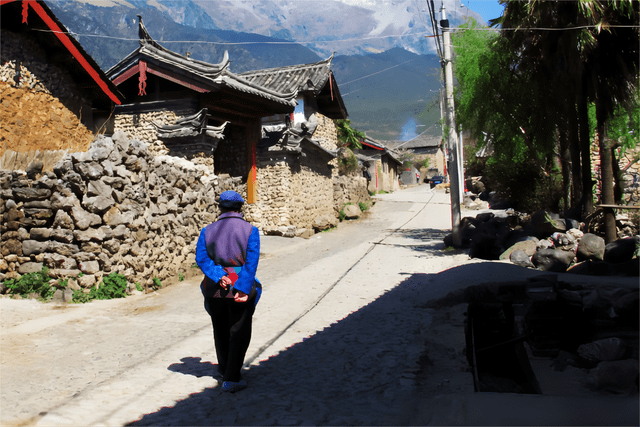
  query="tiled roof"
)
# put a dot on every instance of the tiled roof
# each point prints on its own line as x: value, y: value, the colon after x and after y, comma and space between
x: 377, y: 148
x: 294, y: 78
x: 424, y: 140
x: 211, y: 75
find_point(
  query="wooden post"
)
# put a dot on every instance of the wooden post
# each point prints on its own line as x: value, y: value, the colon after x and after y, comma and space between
x: 253, y: 135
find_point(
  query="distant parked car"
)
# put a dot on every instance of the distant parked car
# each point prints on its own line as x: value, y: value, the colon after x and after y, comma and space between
x: 435, y: 180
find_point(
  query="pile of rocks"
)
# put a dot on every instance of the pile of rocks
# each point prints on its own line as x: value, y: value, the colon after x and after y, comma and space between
x: 546, y: 242
x: 113, y: 208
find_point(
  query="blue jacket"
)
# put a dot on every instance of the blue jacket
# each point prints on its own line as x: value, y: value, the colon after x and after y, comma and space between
x: 229, y: 244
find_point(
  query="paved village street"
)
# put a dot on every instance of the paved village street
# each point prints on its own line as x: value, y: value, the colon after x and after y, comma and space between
x: 341, y: 337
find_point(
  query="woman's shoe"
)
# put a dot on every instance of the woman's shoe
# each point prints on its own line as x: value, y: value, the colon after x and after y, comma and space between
x: 232, y: 387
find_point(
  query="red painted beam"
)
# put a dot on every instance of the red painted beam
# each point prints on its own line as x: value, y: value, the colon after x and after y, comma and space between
x: 126, y: 75
x: 152, y: 70
x: 372, y: 146
x: 71, y: 47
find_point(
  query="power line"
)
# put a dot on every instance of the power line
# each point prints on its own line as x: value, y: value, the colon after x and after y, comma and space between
x: 418, y: 34
x: 377, y: 72
x: 435, y: 35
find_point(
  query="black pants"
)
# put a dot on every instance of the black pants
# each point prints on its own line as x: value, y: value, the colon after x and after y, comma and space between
x: 231, y: 332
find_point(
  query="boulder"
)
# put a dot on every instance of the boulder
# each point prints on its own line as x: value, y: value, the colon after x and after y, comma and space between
x: 553, y: 260
x: 521, y: 258
x: 604, y: 349
x: 305, y: 233
x: 626, y: 306
x: 527, y: 246
x: 324, y: 222
x: 622, y: 250
x: 65, y: 249
x: 99, y: 188
x: 547, y: 223
x: 352, y: 211
x: 40, y: 233
x: 101, y: 148
x: 591, y: 247
x: 67, y: 295
x: 619, y: 376
x: 87, y: 280
x: 89, y: 235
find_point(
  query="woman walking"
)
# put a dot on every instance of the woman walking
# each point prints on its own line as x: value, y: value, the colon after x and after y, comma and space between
x: 228, y: 251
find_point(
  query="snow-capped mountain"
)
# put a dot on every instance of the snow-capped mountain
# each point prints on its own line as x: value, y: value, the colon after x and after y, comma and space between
x: 346, y: 27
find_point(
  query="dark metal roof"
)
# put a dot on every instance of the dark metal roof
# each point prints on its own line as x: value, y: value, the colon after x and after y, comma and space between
x: 205, y: 77
x: 314, y: 79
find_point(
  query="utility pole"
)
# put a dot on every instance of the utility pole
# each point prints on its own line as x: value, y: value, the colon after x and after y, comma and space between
x: 453, y: 153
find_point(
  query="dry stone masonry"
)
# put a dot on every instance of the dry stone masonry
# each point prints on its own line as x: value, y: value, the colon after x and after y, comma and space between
x: 113, y: 208
x: 117, y: 207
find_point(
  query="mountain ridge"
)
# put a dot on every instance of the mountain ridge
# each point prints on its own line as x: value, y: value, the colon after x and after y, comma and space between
x: 379, y: 89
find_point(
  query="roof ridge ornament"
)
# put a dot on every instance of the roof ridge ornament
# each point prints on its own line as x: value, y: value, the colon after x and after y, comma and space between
x: 204, y: 68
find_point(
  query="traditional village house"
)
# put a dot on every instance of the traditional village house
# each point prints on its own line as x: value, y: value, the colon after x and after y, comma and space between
x: 55, y: 95
x: 382, y: 165
x: 424, y: 146
x: 297, y: 151
x: 193, y: 107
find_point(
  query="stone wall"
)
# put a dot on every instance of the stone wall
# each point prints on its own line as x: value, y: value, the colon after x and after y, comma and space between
x: 113, y: 208
x: 26, y: 65
x: 326, y: 133
x: 349, y: 189
x: 297, y: 193
x: 139, y: 126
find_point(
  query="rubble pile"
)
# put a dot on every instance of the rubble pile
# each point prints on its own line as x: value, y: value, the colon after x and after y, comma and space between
x: 547, y: 242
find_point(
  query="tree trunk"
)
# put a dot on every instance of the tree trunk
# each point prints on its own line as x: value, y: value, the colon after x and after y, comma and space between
x: 565, y: 162
x: 618, y: 188
x: 606, y: 177
x: 574, y: 147
x: 585, y: 151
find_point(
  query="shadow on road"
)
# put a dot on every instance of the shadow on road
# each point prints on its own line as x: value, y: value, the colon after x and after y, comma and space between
x: 359, y: 370
x: 194, y: 366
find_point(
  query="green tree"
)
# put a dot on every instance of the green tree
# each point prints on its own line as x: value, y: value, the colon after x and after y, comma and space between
x: 591, y: 57
x: 347, y: 136
x: 497, y: 99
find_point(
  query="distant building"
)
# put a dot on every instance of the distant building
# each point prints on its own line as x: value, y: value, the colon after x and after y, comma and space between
x: 424, y: 146
x: 383, y: 165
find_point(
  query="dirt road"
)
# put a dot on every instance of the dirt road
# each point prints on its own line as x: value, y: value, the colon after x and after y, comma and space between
x: 341, y: 337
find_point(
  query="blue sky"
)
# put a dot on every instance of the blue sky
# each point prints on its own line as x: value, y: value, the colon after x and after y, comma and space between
x: 488, y: 9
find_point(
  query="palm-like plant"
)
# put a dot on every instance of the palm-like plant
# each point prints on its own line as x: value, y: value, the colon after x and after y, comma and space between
x: 591, y: 55
x: 347, y: 136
